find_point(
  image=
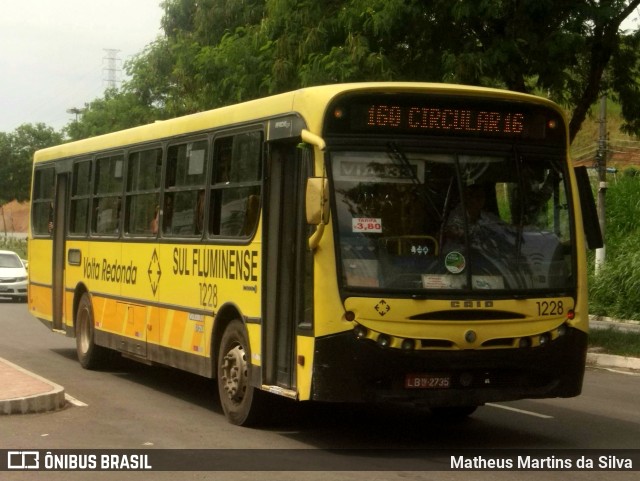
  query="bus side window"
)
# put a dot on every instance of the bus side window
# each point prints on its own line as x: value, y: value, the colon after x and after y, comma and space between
x: 42, y: 201
x: 236, y: 185
x: 143, y: 191
x: 80, y: 195
x: 183, y: 209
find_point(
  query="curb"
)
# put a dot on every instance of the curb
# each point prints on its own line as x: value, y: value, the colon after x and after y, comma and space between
x: 27, y: 392
x: 611, y: 361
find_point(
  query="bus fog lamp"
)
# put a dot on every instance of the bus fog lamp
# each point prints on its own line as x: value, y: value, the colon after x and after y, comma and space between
x: 562, y: 330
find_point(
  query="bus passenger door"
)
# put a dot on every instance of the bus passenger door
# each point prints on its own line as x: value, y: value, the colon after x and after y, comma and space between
x: 284, y: 244
x: 58, y: 258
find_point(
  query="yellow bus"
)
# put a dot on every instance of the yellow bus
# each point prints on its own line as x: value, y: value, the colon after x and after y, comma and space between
x: 372, y: 242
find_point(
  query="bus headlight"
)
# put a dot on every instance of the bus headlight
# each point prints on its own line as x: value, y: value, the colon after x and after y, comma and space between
x: 360, y: 331
x: 408, y: 345
x: 544, y: 339
x: 384, y: 340
x: 524, y: 342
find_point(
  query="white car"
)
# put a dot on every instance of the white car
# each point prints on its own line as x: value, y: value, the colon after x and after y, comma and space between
x: 13, y: 276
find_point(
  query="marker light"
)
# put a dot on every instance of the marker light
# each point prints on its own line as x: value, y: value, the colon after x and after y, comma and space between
x: 350, y: 316
x: 384, y: 340
x: 571, y: 314
x: 408, y: 345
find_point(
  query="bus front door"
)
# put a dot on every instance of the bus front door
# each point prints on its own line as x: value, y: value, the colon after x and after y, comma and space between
x: 58, y: 258
x: 284, y: 270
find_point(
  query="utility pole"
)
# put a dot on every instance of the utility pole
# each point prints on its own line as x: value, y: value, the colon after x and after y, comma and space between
x: 111, y: 69
x: 601, y: 164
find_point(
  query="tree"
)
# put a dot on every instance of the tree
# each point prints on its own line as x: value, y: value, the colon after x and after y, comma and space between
x: 572, y: 50
x: 117, y: 110
x: 216, y: 52
x: 16, y: 158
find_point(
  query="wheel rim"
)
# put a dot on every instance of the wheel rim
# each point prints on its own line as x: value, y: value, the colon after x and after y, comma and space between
x: 234, y: 373
x: 83, y: 330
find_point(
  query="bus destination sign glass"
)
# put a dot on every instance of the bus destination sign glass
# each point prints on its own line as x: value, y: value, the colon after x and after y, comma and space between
x: 452, y: 119
x: 408, y: 114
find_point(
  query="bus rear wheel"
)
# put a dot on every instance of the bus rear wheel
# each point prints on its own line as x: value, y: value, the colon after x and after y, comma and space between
x: 240, y: 400
x: 90, y: 355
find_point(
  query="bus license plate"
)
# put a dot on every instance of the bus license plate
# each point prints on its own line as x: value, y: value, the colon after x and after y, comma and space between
x: 426, y: 381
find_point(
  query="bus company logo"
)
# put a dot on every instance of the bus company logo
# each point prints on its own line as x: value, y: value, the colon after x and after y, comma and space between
x: 382, y: 307
x: 23, y: 460
x: 154, y: 272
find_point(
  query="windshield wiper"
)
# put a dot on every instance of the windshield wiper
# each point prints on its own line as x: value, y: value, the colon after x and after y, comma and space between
x: 400, y: 158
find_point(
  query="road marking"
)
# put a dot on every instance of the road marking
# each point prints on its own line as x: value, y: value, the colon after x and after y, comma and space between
x: 521, y: 411
x: 74, y: 401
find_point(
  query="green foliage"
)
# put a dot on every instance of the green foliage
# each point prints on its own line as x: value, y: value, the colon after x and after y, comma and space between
x: 616, y: 341
x: 217, y: 52
x: 116, y: 111
x: 19, y: 246
x: 16, y: 158
x: 614, y: 291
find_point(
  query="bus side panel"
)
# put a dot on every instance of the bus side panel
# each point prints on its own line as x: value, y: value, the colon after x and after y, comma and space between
x: 40, y: 280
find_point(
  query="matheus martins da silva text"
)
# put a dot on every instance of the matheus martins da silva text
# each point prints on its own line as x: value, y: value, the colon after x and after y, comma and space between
x: 548, y: 462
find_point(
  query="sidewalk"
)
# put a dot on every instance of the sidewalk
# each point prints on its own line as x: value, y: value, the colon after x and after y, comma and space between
x: 23, y: 392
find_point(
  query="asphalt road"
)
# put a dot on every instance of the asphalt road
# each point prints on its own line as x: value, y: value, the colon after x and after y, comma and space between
x: 133, y: 406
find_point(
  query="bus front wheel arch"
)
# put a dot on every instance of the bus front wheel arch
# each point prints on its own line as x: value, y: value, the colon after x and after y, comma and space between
x: 90, y: 355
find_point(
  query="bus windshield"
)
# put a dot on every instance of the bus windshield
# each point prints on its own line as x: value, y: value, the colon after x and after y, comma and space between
x: 412, y: 219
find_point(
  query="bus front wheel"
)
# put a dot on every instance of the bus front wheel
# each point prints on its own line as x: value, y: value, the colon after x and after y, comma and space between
x: 240, y: 401
x: 90, y: 355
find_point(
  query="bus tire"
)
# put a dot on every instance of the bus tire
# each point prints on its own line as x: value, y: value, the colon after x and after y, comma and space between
x: 90, y: 355
x: 239, y: 399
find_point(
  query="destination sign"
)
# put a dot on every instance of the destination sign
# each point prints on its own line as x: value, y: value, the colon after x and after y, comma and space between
x: 412, y: 114
x: 430, y: 118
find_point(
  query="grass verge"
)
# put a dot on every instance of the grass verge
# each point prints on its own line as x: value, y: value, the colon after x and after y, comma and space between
x: 615, y: 341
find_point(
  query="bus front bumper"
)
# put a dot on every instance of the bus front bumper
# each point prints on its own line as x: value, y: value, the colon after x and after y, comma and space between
x: 347, y: 369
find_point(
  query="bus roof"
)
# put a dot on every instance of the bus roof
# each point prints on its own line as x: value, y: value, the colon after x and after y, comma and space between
x: 304, y: 101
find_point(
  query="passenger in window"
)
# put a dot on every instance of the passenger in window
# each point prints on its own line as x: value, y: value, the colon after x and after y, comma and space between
x: 155, y: 222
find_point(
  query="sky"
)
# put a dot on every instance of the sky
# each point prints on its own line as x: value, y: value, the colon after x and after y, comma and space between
x: 53, y: 58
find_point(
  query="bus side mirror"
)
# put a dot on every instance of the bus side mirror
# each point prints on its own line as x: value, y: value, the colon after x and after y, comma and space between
x: 317, y: 201
x: 317, y: 208
x: 590, y: 221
